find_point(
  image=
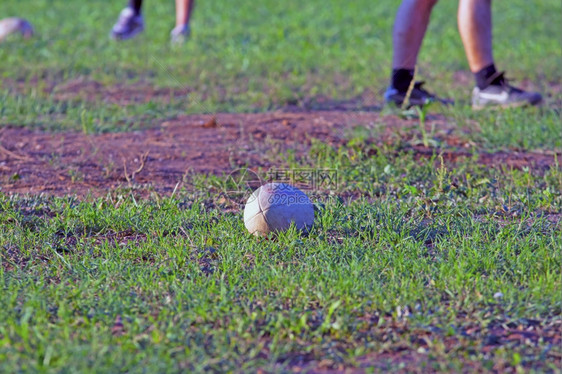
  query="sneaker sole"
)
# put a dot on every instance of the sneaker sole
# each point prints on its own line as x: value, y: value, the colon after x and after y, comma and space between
x: 519, y: 104
x: 127, y: 36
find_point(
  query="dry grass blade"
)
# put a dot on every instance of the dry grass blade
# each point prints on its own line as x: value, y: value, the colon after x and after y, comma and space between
x: 131, y: 178
x: 406, y: 102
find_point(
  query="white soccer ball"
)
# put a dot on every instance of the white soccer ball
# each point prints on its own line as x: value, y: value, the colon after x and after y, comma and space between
x: 274, y: 206
x: 12, y: 25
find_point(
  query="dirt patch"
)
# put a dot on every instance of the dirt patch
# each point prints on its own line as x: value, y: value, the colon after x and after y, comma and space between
x: 159, y: 159
x: 429, y: 349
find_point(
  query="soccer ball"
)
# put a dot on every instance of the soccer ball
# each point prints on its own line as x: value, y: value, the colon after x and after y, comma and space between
x: 12, y: 25
x: 274, y: 206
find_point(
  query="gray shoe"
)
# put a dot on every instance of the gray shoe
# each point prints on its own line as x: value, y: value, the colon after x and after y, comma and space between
x: 418, y: 97
x: 179, y: 34
x: 501, y: 94
x: 128, y: 25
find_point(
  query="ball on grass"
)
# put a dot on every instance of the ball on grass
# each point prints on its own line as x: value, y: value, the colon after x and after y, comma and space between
x: 15, y: 25
x: 274, y: 206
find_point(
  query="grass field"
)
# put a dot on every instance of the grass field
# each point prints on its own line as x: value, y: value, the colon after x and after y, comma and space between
x: 438, y: 249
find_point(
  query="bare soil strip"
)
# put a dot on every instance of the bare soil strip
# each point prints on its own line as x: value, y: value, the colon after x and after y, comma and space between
x: 37, y: 162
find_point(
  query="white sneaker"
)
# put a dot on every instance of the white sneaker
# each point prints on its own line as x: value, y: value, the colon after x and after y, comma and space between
x: 128, y: 25
x: 503, y: 95
x: 179, y: 34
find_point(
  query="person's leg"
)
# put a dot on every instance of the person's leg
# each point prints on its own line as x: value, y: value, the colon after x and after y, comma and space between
x: 409, y: 29
x: 136, y: 6
x: 410, y: 25
x: 475, y: 28
x: 183, y: 12
x: 182, y: 30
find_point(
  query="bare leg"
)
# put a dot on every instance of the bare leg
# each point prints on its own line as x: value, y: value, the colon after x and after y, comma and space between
x: 183, y: 12
x: 410, y: 25
x: 475, y: 27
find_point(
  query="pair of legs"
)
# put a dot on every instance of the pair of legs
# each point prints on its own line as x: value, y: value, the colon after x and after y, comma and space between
x: 475, y: 27
x: 131, y: 22
x: 183, y: 10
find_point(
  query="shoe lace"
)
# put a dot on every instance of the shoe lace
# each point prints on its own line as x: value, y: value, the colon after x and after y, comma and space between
x: 419, y: 86
x: 499, y: 79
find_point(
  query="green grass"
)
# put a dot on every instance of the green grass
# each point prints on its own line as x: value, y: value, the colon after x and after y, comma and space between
x: 406, y: 255
x: 424, y: 250
x: 244, y: 57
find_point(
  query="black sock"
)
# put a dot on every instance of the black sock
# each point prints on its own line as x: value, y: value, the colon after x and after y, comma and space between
x: 483, y: 76
x: 401, y: 79
x: 136, y: 6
